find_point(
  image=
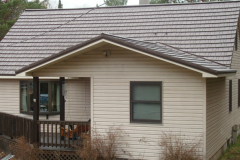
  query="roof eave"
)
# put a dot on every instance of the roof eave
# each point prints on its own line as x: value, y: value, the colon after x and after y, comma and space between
x: 206, y: 71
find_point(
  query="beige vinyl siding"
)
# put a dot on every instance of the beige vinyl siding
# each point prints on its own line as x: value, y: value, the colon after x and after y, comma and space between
x: 78, y: 100
x: 183, y: 95
x: 219, y: 120
x: 77, y: 103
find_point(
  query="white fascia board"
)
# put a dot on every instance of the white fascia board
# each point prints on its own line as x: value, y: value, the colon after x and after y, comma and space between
x: 25, y: 73
x: 25, y: 77
x: 30, y: 77
x: 204, y: 74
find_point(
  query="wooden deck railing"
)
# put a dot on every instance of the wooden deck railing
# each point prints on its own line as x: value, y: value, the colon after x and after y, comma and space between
x: 15, y: 126
x: 62, y: 133
x: 51, y: 133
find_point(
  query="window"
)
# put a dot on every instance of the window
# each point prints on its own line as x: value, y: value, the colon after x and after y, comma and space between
x: 230, y: 95
x: 146, y: 102
x: 236, y: 41
x: 239, y: 93
x: 49, y: 97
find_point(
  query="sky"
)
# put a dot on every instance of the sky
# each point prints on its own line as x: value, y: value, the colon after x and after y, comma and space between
x: 87, y: 3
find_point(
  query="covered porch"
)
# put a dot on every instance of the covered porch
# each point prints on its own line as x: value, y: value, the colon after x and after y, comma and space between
x: 50, y: 133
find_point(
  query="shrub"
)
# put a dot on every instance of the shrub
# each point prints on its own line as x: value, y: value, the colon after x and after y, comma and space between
x: 23, y: 150
x: 174, y: 147
x: 102, y: 146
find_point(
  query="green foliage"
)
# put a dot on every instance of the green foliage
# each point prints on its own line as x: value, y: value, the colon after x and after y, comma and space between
x: 179, y: 1
x: 164, y: 1
x: 232, y: 152
x: 4, y: 28
x: 60, y: 5
x: 115, y: 2
x: 11, y: 10
x: 36, y: 4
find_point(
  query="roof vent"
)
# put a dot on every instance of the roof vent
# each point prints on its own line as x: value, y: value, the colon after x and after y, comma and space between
x: 144, y: 2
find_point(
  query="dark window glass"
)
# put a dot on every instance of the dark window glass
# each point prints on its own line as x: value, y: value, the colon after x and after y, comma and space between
x: 24, y: 96
x: 44, y: 98
x: 239, y: 93
x: 146, y: 102
x: 230, y: 95
x: 55, y: 97
x: 236, y: 41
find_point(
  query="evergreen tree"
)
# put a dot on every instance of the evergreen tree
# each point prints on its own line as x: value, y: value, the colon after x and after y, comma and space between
x: 10, y: 10
x: 60, y: 5
x: 115, y: 2
x: 179, y: 1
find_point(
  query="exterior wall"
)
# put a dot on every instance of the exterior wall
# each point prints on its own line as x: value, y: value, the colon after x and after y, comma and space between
x: 77, y: 107
x: 183, y: 94
x: 77, y: 103
x: 219, y: 119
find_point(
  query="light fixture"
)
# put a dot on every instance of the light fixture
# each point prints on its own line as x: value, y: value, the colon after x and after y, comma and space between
x: 106, y: 53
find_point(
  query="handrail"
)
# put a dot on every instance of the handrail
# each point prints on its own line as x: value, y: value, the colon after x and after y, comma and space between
x: 50, y: 133
x: 62, y: 133
x: 54, y: 121
x: 15, y: 115
x: 16, y: 126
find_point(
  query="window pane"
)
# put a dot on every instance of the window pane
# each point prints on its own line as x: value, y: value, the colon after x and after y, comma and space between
x: 23, y: 96
x: 44, y: 97
x: 146, y: 111
x: 31, y: 95
x: 55, y: 89
x: 146, y: 92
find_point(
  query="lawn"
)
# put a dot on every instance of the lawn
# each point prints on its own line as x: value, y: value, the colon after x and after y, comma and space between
x: 232, y: 152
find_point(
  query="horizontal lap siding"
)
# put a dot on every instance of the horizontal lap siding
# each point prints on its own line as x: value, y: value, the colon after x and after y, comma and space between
x: 77, y: 103
x: 219, y: 120
x: 182, y: 95
x: 9, y: 99
x: 78, y: 100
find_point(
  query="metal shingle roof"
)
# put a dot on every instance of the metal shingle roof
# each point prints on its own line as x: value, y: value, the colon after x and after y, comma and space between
x: 174, y: 52
x: 206, y: 30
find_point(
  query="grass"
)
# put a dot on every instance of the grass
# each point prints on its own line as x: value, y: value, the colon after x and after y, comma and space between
x: 232, y: 152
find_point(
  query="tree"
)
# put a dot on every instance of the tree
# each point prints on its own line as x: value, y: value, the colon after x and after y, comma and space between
x: 10, y: 10
x: 36, y: 4
x: 60, y: 5
x: 115, y: 2
x: 166, y: 1
x: 179, y: 1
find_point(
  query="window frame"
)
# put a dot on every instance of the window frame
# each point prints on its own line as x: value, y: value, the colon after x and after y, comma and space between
x: 132, y: 83
x: 238, y: 93
x: 230, y: 96
x: 236, y: 41
x: 49, y: 112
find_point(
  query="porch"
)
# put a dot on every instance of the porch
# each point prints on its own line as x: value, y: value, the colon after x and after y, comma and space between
x: 50, y: 135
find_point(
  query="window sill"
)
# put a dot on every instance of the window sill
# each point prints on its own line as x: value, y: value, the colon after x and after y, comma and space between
x: 146, y: 122
x: 41, y: 113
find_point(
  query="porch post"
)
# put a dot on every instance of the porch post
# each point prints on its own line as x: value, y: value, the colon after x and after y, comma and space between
x: 62, y: 100
x: 35, y: 109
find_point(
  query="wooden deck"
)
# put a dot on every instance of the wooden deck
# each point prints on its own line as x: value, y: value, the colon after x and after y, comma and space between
x: 51, y: 134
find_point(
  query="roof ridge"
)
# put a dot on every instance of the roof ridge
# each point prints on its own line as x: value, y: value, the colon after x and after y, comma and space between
x: 168, y: 46
x: 145, y: 5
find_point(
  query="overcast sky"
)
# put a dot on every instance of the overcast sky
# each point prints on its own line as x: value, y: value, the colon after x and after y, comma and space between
x: 87, y: 3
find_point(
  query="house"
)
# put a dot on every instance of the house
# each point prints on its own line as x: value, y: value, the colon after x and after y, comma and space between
x: 149, y: 68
